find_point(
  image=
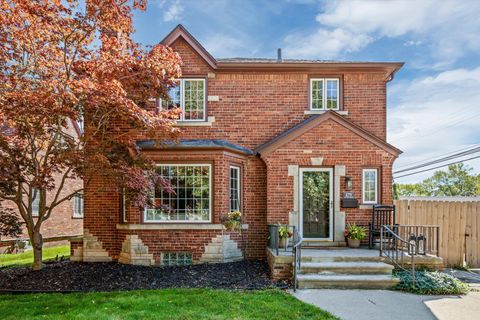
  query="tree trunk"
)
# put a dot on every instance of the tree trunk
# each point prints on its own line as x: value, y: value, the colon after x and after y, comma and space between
x: 37, y: 244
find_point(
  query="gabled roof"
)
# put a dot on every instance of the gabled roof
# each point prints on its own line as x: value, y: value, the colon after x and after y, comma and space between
x: 180, y: 31
x: 313, y: 122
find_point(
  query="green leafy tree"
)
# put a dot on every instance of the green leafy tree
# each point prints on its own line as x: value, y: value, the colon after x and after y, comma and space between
x: 457, y: 180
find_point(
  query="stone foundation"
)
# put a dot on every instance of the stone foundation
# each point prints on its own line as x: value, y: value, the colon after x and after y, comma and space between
x: 91, y: 250
x: 221, y: 249
x: 135, y: 252
x: 281, y: 267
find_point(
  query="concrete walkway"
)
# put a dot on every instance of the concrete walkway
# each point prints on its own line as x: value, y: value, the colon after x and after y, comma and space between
x: 393, y: 305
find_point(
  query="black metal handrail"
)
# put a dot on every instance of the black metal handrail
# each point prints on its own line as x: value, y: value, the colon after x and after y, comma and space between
x: 392, y: 247
x: 297, y: 258
x: 274, y: 237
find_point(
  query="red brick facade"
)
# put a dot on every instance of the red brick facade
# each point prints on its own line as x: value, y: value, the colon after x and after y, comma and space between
x: 253, y: 105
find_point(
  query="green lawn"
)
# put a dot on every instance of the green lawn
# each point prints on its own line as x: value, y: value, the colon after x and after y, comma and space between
x: 26, y: 258
x: 160, y: 304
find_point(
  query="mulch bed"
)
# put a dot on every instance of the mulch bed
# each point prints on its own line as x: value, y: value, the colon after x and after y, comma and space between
x: 74, y: 276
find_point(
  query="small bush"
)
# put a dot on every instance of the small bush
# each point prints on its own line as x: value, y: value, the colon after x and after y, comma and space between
x: 430, y: 282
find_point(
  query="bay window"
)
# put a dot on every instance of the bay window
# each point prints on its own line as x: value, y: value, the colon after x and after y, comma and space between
x: 189, y: 96
x: 190, y: 199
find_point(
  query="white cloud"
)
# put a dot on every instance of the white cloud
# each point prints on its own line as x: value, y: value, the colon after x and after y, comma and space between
x: 450, y: 28
x: 173, y: 10
x: 435, y: 115
x: 326, y: 43
x: 224, y: 45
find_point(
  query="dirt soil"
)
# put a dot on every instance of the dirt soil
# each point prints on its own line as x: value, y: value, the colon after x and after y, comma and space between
x: 75, y: 276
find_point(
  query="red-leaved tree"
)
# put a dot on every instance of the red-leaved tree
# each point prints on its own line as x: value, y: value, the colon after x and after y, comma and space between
x: 67, y: 60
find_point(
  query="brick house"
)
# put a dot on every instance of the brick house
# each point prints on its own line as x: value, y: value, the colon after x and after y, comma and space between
x: 280, y: 140
x: 67, y: 218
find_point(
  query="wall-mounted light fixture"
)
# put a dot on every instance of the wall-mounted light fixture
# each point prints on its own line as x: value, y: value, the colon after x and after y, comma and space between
x: 348, y: 183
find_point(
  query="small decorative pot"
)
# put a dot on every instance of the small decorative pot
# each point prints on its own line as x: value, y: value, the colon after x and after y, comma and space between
x: 353, y: 243
x: 282, y: 242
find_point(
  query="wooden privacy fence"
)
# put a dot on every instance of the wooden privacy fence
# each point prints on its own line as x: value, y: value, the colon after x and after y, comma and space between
x: 459, y: 223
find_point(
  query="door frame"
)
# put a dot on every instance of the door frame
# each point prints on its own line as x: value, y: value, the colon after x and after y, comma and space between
x: 330, y: 201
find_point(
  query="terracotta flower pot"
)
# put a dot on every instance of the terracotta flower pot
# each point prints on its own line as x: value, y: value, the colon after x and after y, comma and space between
x: 282, y: 242
x: 353, y: 243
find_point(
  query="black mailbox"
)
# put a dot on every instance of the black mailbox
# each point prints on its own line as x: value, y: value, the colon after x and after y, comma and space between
x: 349, y: 203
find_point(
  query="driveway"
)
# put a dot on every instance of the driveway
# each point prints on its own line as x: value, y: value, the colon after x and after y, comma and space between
x: 393, y: 305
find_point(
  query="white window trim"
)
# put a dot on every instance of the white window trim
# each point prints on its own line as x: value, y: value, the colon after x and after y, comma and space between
x: 238, y: 187
x: 376, y: 186
x: 75, y: 213
x: 324, y: 94
x: 209, y: 196
x: 182, y: 100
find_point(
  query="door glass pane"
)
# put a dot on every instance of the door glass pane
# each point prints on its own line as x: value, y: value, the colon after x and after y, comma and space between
x: 316, y: 207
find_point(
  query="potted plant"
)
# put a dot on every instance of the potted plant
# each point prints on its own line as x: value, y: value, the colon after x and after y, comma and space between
x: 283, y: 234
x: 232, y: 221
x: 355, y: 235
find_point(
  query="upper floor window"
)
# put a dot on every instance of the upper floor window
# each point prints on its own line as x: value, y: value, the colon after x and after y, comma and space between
x: 78, y: 205
x: 324, y: 94
x: 189, y: 96
x: 370, y: 186
x: 234, y: 188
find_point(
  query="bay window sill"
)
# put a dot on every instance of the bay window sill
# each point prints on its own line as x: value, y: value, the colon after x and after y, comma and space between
x: 208, y: 123
x: 340, y: 112
x: 173, y: 226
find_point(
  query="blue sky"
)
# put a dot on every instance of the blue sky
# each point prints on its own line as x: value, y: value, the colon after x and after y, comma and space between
x: 433, y: 102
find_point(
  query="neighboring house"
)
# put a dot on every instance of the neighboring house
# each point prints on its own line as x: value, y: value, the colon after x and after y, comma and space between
x: 280, y: 140
x: 67, y: 218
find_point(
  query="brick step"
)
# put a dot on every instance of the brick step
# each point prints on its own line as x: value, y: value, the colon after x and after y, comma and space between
x: 349, y: 267
x: 345, y: 281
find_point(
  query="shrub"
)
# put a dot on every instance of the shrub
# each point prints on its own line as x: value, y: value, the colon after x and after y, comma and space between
x: 430, y: 282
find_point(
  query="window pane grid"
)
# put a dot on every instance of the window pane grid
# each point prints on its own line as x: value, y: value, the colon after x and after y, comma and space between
x: 324, y: 94
x: 176, y: 258
x: 190, y: 199
x: 189, y: 96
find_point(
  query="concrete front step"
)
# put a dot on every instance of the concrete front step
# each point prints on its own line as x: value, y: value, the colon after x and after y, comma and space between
x: 339, y: 281
x: 341, y: 255
x: 349, y: 267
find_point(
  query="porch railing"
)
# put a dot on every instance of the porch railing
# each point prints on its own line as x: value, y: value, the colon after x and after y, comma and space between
x: 402, y: 243
x: 274, y: 237
x: 297, y: 258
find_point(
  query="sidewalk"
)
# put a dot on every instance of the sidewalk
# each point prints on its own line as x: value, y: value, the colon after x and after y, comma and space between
x: 392, y: 305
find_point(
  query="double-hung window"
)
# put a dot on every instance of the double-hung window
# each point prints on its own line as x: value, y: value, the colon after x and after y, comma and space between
x: 78, y: 205
x: 234, y: 188
x: 189, y: 199
x: 324, y: 94
x: 370, y: 186
x: 189, y: 96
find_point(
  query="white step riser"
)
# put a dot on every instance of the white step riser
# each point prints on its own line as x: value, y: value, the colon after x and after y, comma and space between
x: 353, y: 270
x: 332, y: 284
x: 342, y: 259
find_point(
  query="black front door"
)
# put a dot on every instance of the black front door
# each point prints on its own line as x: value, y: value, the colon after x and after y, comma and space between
x: 316, y: 186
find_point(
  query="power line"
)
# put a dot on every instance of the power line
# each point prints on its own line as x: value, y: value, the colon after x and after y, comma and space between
x: 443, y: 165
x: 438, y: 156
x: 451, y: 157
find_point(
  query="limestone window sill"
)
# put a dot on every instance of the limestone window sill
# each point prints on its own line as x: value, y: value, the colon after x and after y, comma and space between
x: 208, y: 123
x: 366, y: 206
x: 340, y: 112
x: 172, y: 226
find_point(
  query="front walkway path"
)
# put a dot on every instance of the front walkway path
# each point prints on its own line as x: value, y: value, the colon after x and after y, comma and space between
x: 394, y: 305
